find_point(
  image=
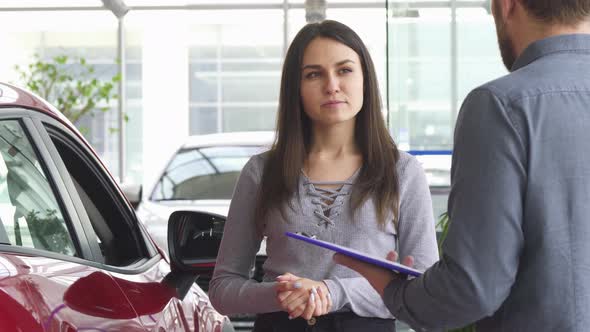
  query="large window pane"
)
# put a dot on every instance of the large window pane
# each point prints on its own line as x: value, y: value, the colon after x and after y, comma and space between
x: 296, y: 22
x: 203, y: 120
x: 477, y: 65
x: 246, y: 118
x: 203, y: 85
x: 235, y: 57
x: 235, y: 62
x: 420, y: 78
x: 264, y: 84
x: 88, y: 34
x: 134, y: 109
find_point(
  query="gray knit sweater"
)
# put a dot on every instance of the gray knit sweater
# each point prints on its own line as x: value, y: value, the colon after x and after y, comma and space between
x: 231, y: 289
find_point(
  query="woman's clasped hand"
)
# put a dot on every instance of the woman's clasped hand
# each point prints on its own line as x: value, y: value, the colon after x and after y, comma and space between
x: 302, y: 297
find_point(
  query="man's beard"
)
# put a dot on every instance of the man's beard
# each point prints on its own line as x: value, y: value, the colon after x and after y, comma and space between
x: 506, y: 49
x: 504, y: 41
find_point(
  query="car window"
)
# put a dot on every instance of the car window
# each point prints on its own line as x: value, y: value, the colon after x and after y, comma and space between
x: 203, y: 173
x: 29, y: 212
x: 116, y: 235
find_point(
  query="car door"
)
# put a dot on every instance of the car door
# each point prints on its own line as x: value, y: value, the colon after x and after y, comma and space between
x: 118, y: 240
x: 46, y: 281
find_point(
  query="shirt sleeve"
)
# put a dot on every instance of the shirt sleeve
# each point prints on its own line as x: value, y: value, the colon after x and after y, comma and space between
x: 231, y: 289
x: 481, y: 252
x: 417, y: 237
x: 358, y: 295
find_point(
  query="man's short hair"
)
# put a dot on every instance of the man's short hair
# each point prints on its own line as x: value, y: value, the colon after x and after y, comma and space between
x: 566, y: 12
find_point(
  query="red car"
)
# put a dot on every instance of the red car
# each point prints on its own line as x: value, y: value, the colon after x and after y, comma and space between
x: 73, y: 256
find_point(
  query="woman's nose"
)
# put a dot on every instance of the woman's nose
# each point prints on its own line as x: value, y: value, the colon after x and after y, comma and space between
x: 332, y: 84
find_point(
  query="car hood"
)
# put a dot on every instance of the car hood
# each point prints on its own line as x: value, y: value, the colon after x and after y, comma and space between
x: 217, y: 206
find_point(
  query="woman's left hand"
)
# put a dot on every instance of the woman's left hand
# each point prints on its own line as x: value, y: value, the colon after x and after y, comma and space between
x: 303, y: 297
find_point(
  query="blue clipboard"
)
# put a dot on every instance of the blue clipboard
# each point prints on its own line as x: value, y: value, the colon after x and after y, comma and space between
x: 395, y: 267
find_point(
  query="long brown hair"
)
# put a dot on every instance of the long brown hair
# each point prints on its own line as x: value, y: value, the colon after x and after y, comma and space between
x: 377, y: 177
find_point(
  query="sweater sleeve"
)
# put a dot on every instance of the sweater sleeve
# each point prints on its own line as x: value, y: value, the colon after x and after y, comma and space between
x: 482, y: 248
x: 417, y: 237
x: 231, y: 289
x: 417, y: 234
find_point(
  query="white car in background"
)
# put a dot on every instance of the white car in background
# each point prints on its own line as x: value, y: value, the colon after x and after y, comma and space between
x: 200, y: 176
x: 203, y: 172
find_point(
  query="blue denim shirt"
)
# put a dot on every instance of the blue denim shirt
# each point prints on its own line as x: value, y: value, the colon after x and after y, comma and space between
x: 517, y: 257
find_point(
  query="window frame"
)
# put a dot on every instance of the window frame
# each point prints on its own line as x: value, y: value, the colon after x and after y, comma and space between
x: 25, y: 118
x: 50, y: 129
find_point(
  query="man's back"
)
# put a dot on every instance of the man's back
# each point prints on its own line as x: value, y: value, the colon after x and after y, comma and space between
x: 516, y: 257
x: 547, y: 100
x: 517, y: 249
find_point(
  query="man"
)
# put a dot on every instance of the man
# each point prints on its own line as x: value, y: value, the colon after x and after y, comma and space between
x: 517, y: 256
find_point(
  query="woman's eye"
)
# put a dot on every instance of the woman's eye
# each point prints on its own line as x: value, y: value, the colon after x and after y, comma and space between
x: 312, y: 74
x: 345, y: 70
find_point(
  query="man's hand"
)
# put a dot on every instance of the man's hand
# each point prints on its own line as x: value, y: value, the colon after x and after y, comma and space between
x: 378, y: 277
x: 302, y: 297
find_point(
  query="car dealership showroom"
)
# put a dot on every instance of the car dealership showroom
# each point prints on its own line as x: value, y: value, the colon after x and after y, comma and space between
x: 125, y: 126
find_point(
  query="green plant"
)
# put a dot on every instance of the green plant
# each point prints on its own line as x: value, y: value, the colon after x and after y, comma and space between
x: 71, y: 85
x: 443, y: 224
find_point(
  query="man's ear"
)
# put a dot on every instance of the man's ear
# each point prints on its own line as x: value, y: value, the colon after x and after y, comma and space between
x: 505, y: 8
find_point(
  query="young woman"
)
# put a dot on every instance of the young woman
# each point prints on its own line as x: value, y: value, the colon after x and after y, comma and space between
x: 334, y: 173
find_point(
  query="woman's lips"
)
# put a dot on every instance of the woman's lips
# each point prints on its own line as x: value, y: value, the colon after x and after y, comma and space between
x: 333, y: 103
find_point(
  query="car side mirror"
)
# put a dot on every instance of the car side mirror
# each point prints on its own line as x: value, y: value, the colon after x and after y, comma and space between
x: 193, y: 241
x: 133, y: 193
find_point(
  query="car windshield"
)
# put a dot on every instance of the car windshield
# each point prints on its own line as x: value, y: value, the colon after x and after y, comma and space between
x: 203, y: 173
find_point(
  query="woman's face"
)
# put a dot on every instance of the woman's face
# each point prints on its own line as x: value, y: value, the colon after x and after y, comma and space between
x: 331, y: 82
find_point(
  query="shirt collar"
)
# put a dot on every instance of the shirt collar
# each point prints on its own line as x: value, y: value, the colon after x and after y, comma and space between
x: 554, y: 44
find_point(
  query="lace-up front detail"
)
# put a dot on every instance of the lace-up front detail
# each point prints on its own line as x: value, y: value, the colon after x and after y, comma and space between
x: 328, y: 202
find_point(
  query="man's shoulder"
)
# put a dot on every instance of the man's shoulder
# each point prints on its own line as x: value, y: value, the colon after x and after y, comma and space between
x: 538, y: 78
x: 505, y: 87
